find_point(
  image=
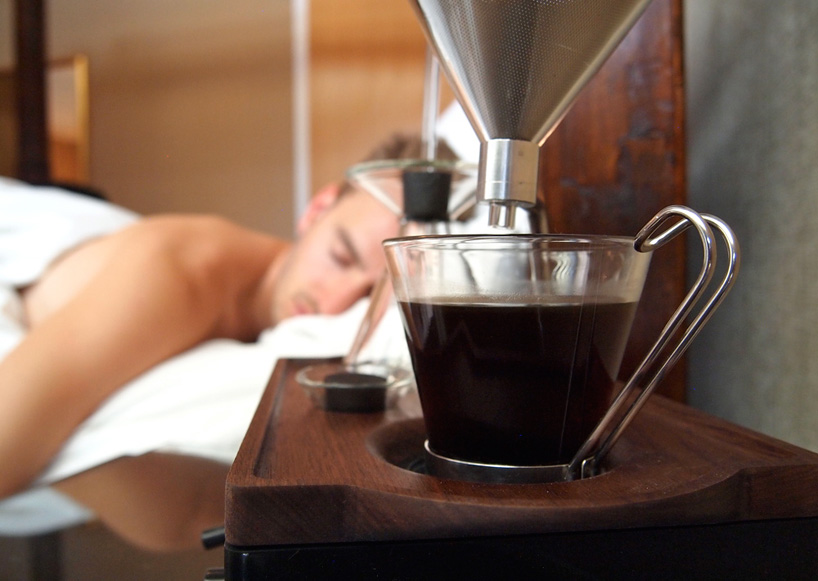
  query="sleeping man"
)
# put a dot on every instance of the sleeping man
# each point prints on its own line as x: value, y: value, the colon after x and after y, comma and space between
x: 116, y: 305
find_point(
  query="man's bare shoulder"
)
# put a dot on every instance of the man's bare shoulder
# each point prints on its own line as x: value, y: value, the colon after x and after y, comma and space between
x: 209, y: 246
x: 186, y: 226
x: 220, y: 262
x: 208, y: 252
x: 194, y: 234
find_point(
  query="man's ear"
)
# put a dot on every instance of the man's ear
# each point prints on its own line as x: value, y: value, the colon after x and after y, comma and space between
x: 320, y: 203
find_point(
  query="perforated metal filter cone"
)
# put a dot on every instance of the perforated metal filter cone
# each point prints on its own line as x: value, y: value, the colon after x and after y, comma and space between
x: 517, y: 65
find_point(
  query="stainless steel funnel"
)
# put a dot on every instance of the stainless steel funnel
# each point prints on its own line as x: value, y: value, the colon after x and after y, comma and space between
x: 516, y: 66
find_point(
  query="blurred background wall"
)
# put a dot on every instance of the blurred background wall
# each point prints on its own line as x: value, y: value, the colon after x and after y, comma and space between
x: 367, y: 64
x: 190, y: 102
x: 752, y: 94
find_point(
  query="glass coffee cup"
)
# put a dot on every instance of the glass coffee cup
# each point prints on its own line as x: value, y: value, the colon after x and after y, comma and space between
x: 516, y: 342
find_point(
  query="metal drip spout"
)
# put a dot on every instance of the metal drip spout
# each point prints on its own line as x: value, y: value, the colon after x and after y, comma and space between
x: 507, y: 178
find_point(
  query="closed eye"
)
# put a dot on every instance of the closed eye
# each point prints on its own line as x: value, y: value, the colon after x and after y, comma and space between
x: 341, y: 258
x: 343, y: 251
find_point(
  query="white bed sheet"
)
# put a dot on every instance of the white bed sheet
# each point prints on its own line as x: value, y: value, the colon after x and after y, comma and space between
x: 201, y: 402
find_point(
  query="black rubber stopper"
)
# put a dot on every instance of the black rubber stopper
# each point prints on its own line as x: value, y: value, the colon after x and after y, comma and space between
x: 348, y: 391
x: 426, y: 195
x: 353, y: 379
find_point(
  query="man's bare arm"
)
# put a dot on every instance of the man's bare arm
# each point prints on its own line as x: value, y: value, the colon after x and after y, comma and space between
x: 140, y: 310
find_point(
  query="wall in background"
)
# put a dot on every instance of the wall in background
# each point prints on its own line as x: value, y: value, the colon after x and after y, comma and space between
x: 367, y: 65
x: 190, y: 102
x: 752, y: 90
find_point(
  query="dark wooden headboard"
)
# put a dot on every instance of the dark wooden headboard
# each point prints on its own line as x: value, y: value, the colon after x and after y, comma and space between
x: 32, y: 140
x: 619, y: 156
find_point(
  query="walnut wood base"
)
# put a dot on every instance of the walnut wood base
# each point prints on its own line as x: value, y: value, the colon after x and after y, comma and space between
x: 305, y: 479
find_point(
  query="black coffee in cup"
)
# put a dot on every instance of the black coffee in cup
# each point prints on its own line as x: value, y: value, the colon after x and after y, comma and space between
x: 515, y: 383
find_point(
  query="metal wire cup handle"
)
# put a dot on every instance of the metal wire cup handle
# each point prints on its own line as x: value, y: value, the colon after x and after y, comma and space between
x: 653, y: 368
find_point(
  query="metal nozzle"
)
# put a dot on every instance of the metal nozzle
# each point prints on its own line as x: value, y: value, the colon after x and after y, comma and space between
x: 501, y: 215
x: 507, y: 178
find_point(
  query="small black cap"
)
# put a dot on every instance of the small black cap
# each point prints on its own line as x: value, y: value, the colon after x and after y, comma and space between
x: 426, y: 195
x: 349, y: 391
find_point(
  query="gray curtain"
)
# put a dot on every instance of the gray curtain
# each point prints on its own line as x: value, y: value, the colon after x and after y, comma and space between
x: 752, y: 93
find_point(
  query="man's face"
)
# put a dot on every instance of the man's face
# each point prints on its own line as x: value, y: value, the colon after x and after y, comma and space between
x: 337, y: 259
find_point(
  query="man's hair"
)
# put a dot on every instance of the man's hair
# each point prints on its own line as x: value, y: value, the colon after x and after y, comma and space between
x: 401, y: 146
